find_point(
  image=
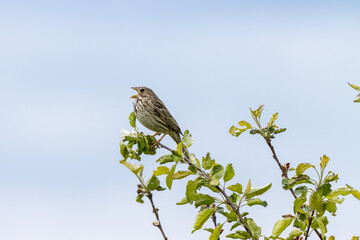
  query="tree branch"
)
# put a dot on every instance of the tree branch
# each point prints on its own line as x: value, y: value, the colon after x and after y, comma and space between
x: 310, y: 220
x: 155, y: 211
x: 214, y: 220
x: 284, y: 173
x: 228, y: 201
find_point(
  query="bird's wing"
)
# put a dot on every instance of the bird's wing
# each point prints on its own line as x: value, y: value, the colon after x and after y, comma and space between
x: 163, y: 113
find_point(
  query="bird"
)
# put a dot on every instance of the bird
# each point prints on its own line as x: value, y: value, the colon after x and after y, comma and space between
x: 153, y: 114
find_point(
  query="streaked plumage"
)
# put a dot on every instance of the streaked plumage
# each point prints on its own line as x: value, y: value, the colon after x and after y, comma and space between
x: 153, y: 114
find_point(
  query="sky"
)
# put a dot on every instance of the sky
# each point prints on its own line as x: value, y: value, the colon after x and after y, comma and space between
x: 66, y: 69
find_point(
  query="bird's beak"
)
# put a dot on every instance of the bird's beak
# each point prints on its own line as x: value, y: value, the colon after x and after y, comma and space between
x: 136, y: 95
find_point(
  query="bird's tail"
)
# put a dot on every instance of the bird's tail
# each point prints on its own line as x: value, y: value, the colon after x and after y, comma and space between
x: 176, y: 137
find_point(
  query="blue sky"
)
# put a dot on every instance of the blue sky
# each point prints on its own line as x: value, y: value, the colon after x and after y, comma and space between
x: 66, y: 71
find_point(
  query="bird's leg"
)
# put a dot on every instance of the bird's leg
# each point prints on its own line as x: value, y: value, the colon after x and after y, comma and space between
x: 157, y: 133
x: 158, y: 141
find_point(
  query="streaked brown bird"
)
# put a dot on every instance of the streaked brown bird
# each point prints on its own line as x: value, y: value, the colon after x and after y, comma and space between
x: 153, y: 114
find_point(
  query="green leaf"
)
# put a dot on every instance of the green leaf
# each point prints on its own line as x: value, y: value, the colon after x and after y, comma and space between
x: 235, y: 131
x: 298, y: 202
x: 202, y: 217
x: 207, y: 162
x: 340, y: 191
x: 132, y: 119
x: 331, y: 177
x: 139, y: 198
x: 300, y: 190
x: 324, y: 161
x: 300, y: 224
x: 255, y: 229
x: 354, y: 238
x: 354, y: 86
x: 136, y: 169
x: 169, y: 177
x: 187, y: 139
x: 166, y: 158
x: 257, y: 113
x: 258, y: 191
x: 123, y: 150
x: 315, y: 200
x: 325, y: 189
x: 357, y: 98
x: 203, y: 199
x: 215, y: 234
x: 182, y: 201
x: 331, y: 207
x: 209, y: 229
x: 179, y: 148
x: 295, y: 232
x: 190, y: 190
x: 248, y: 188
x: 321, y: 223
x: 161, y: 170
x: 333, y: 238
x: 280, y: 226
x: 229, y: 173
x: 231, y: 216
x: 300, y: 169
x: 354, y: 192
x: 153, y: 183
x: 239, y: 235
x: 182, y: 174
x: 272, y: 119
x: 234, y: 226
x: 216, y: 174
x: 254, y: 201
x: 236, y: 188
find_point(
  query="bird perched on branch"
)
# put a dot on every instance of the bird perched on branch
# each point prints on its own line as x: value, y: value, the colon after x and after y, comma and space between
x: 153, y: 114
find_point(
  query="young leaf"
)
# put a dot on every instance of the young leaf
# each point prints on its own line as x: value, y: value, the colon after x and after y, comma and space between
x: 357, y: 98
x: 235, y: 131
x: 182, y: 174
x: 182, y: 201
x: 258, y: 191
x: 239, y: 235
x: 136, y: 169
x: 229, y: 173
x: 153, y: 183
x: 248, y: 188
x: 207, y: 162
x: 324, y: 161
x: 298, y: 202
x: 354, y: 192
x: 216, y: 174
x: 179, y: 148
x: 254, y: 201
x: 202, y: 217
x: 215, y: 234
x: 280, y: 226
x: 203, y: 199
x: 132, y: 119
x: 169, y: 177
x: 190, y: 190
x: 354, y: 86
x: 187, y: 139
x: 300, y: 189
x: 340, y: 191
x: 315, y: 200
x: 236, y: 188
x: 295, y: 232
x: 255, y: 229
x: 161, y: 170
x: 302, y: 167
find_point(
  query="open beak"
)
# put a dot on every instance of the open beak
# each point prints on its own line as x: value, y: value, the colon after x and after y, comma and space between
x: 136, y: 95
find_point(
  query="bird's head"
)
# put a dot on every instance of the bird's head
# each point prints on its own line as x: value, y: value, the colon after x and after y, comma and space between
x: 143, y: 92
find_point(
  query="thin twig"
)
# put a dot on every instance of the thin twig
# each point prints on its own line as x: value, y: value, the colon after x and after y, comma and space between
x: 155, y: 211
x: 227, y: 199
x: 284, y: 172
x: 214, y: 220
x: 310, y: 220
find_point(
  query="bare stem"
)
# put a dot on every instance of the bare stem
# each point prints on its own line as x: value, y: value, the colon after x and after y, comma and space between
x: 214, y: 220
x: 155, y: 211
x: 284, y: 172
x: 310, y: 220
x: 223, y: 193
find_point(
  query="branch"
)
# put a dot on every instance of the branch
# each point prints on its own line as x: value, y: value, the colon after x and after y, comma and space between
x: 284, y: 173
x: 155, y: 211
x: 214, y: 220
x: 228, y: 201
x: 310, y: 220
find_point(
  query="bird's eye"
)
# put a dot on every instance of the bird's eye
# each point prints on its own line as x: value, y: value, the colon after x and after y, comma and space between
x: 142, y: 90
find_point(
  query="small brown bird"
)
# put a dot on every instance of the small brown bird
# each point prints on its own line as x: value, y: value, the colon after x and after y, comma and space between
x: 153, y: 114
